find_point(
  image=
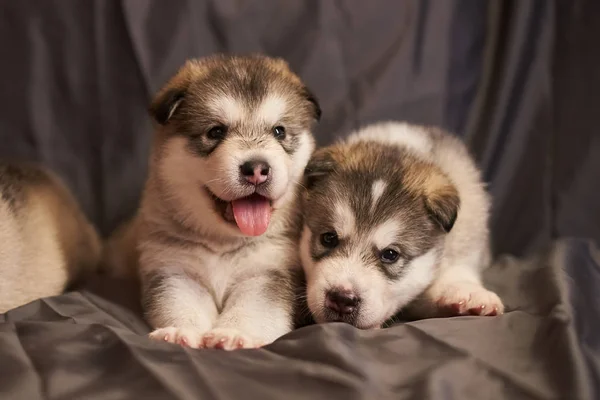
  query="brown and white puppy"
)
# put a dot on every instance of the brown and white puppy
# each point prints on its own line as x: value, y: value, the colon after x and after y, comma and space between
x: 219, y: 223
x: 396, y: 215
x: 45, y: 240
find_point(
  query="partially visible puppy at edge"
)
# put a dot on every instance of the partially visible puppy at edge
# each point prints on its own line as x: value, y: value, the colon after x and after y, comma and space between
x: 215, y: 239
x: 396, y: 220
x: 46, y: 242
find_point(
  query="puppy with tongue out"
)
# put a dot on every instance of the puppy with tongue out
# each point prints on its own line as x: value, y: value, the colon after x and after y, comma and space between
x: 253, y: 213
x: 216, y: 234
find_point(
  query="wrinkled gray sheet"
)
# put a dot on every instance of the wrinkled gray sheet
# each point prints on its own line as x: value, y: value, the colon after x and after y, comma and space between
x: 80, y: 346
x: 516, y: 79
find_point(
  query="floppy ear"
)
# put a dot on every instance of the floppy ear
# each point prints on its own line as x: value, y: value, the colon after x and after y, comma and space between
x: 442, y: 202
x: 166, y: 102
x: 169, y: 98
x: 314, y: 102
x: 283, y: 66
x: 320, y: 165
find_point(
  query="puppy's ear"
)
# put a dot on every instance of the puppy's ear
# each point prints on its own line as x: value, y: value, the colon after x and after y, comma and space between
x: 442, y: 202
x: 320, y: 165
x: 283, y: 67
x: 169, y: 98
x: 165, y: 104
x: 314, y: 102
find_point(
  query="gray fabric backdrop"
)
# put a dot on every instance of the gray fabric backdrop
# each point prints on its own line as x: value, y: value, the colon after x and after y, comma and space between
x: 517, y: 79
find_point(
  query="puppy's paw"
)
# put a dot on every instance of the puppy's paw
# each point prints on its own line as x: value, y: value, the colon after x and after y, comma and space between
x: 190, y: 337
x: 465, y: 298
x: 228, y: 339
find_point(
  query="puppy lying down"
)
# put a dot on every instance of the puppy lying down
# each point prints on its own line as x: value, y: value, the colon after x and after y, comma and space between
x: 45, y: 240
x: 395, y: 218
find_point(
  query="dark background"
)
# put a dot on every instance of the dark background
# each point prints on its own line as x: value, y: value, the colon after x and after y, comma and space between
x: 517, y: 79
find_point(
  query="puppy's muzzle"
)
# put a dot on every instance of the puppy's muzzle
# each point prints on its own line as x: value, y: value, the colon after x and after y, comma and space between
x: 255, y: 172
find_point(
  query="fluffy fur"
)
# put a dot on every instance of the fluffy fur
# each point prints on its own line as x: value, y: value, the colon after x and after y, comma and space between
x: 45, y: 240
x: 395, y: 217
x: 204, y: 283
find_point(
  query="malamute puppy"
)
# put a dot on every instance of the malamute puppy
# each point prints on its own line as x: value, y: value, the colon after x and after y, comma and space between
x: 396, y: 215
x: 219, y: 222
x: 46, y: 242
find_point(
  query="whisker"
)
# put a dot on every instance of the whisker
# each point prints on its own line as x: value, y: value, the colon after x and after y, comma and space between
x: 299, y: 183
x: 213, y: 180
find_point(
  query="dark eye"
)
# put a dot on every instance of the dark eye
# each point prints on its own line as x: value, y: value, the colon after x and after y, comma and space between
x: 329, y: 240
x: 389, y: 256
x: 279, y: 132
x: 217, y: 132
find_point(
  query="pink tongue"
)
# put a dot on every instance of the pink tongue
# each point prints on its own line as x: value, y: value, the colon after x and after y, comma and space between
x: 252, y: 215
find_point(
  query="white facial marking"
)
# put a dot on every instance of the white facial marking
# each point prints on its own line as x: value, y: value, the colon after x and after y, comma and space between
x: 376, y: 192
x: 230, y: 108
x: 344, y: 220
x: 307, y: 262
x: 271, y: 109
x: 384, y: 234
x: 180, y: 171
x: 305, y: 148
x: 298, y: 162
x: 337, y: 272
x: 418, y: 275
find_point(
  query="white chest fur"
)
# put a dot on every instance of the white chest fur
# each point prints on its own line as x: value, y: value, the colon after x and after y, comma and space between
x: 219, y: 273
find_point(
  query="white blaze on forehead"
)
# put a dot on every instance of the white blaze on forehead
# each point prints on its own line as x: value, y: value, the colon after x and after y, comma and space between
x: 385, y: 234
x: 230, y: 108
x: 342, y: 272
x: 376, y: 191
x: 271, y: 109
x: 344, y: 220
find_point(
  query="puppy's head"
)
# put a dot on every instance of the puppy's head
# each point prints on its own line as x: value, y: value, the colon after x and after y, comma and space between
x: 234, y: 137
x: 375, y: 219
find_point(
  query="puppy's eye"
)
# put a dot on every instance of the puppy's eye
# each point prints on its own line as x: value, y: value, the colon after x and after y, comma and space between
x: 279, y: 132
x: 217, y: 132
x: 389, y: 256
x: 329, y: 240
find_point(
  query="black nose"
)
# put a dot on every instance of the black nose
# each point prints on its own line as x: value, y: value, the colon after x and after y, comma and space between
x: 341, y: 301
x: 255, y: 171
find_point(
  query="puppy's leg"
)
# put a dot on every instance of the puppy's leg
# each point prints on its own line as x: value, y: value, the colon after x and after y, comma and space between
x: 462, y: 294
x: 179, y: 308
x: 258, y: 311
x: 458, y: 290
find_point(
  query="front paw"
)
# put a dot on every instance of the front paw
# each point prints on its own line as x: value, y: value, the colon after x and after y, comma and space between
x: 465, y: 298
x: 228, y: 339
x: 190, y: 337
